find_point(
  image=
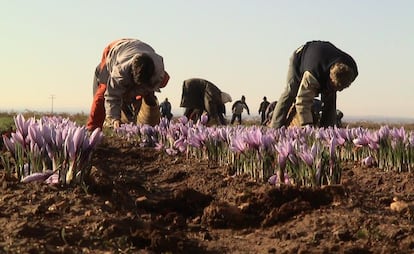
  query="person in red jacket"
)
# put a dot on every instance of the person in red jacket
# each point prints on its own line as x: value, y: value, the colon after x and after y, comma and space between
x: 125, y: 82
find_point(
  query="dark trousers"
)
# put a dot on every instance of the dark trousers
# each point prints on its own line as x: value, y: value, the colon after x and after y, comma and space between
x: 234, y: 117
x: 288, y: 96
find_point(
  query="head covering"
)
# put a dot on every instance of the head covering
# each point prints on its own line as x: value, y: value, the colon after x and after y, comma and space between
x: 225, y: 97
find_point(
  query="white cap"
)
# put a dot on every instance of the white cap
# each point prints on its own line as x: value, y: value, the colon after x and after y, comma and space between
x: 225, y: 97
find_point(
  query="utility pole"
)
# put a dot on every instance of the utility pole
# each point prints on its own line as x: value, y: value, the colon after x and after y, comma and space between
x: 52, y: 97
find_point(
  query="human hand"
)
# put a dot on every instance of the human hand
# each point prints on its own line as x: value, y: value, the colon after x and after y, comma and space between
x: 116, y: 124
x: 112, y: 123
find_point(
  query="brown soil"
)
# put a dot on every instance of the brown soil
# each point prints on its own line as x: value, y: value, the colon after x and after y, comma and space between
x: 142, y: 201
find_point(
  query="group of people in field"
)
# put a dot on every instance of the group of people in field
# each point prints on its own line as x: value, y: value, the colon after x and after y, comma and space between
x: 131, y: 72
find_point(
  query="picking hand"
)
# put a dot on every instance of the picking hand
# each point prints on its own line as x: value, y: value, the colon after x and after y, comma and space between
x: 116, y: 124
x: 112, y: 123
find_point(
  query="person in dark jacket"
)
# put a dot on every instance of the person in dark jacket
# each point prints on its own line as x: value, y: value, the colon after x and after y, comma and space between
x: 237, y: 109
x: 262, y: 110
x: 339, y: 116
x: 318, y: 67
x: 200, y: 95
x: 165, y: 109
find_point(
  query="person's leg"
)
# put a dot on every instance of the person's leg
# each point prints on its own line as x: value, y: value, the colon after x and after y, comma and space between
x: 233, y: 117
x: 288, y: 96
x: 194, y: 115
x: 239, y: 118
x: 97, y: 113
x: 222, y: 119
x: 187, y: 112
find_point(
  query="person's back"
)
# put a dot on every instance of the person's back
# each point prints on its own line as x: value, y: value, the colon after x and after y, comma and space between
x: 201, y: 95
x: 165, y: 107
x: 317, y: 67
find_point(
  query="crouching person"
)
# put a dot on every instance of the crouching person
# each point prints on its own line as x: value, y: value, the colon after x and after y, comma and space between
x: 125, y: 82
x: 318, y: 67
x: 200, y: 95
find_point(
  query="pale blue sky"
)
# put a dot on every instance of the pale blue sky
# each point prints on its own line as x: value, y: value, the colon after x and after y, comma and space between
x: 52, y: 47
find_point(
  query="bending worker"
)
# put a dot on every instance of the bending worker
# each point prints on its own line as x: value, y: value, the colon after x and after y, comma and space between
x: 200, y: 95
x: 318, y: 67
x: 124, y: 85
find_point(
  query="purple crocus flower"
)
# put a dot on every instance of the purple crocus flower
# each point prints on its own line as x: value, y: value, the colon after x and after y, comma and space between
x: 268, y: 141
x: 196, y: 138
x: 58, y: 140
x: 35, y: 135
x: 69, y: 146
x: 361, y: 141
x: 79, y: 135
x: 237, y: 144
x: 368, y: 161
x: 183, y: 120
x: 47, y: 133
x: 22, y: 125
x: 307, y: 157
x: 332, y: 146
x: 37, y: 177
x: 181, y: 144
x: 171, y: 151
x: 52, y: 179
x: 95, y: 138
x: 203, y: 119
x: 282, y: 158
x: 274, y: 179
x: 18, y: 138
x: 292, y: 158
x: 253, y: 138
x: 398, y: 133
x: 383, y: 132
x: 9, y: 144
x: 411, y: 139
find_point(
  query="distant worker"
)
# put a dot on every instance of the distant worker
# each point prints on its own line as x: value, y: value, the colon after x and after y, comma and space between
x: 125, y: 82
x: 238, y: 108
x: 318, y: 67
x: 200, y: 95
x: 262, y: 110
x: 339, y: 116
x: 165, y: 109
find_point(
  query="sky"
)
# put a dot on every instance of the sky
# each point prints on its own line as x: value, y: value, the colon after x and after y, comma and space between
x: 49, y: 49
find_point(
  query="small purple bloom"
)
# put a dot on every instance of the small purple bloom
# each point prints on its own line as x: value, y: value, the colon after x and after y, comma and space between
x: 368, y: 161
x: 237, y: 144
x: 204, y: 119
x: 9, y: 144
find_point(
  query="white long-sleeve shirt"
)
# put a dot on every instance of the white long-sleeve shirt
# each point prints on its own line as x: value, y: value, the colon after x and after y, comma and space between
x: 119, y: 64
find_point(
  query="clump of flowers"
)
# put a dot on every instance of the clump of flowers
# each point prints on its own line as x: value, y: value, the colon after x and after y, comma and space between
x: 51, y: 149
x: 304, y: 156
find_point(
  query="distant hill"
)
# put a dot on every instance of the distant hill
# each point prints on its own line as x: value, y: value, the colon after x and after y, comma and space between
x: 379, y: 119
